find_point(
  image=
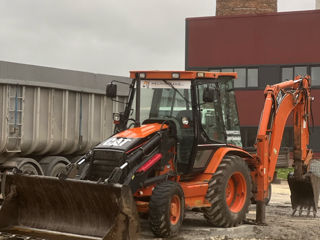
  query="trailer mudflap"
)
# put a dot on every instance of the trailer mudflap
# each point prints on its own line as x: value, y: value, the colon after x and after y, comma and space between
x: 51, y: 208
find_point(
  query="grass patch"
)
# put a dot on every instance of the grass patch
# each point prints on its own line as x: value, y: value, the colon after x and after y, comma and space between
x: 283, y: 172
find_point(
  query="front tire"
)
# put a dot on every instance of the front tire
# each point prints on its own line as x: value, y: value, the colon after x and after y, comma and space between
x: 166, y: 209
x: 229, y: 192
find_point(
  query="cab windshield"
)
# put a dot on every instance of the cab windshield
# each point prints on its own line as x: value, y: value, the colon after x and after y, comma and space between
x: 172, y: 99
x: 164, y: 99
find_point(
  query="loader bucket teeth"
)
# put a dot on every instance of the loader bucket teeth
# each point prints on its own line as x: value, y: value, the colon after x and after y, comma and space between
x: 50, y: 208
x: 304, y: 193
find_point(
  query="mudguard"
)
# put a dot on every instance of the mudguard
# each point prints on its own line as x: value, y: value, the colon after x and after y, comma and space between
x: 219, y: 155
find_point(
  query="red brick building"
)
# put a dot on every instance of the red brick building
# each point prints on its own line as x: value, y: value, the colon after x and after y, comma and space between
x: 238, y: 7
x: 264, y: 49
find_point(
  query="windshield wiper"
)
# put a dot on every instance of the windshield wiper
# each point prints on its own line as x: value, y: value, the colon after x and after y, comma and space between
x: 177, y: 91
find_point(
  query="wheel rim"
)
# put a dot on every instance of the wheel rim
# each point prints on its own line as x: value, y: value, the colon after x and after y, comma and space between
x: 58, y: 169
x: 28, y: 169
x: 236, y: 192
x: 175, y: 207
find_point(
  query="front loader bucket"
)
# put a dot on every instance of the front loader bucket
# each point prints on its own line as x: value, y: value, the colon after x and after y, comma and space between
x: 305, y: 190
x: 50, y: 208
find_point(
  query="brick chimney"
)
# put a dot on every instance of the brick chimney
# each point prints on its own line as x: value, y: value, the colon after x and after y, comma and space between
x: 239, y: 7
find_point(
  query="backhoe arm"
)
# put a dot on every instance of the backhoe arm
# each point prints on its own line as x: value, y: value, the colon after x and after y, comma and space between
x: 281, y: 100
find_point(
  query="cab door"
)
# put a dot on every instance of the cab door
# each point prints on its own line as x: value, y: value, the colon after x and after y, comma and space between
x: 217, y: 119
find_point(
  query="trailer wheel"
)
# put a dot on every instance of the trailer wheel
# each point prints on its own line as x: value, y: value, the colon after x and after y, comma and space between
x: 166, y: 209
x: 25, y: 165
x: 29, y: 169
x: 54, y: 165
x: 229, y: 192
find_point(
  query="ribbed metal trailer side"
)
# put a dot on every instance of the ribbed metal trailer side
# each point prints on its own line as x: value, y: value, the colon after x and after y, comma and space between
x: 46, y: 121
x: 50, y: 120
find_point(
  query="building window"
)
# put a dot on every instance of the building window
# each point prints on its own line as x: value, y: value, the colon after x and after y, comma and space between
x: 301, y: 70
x: 315, y: 76
x: 247, y: 77
x: 287, y: 74
x: 240, y: 82
x: 252, y: 77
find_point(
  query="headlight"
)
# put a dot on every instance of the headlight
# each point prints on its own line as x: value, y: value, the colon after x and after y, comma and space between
x: 142, y: 75
x: 185, y: 122
x: 200, y: 74
x: 175, y: 75
x: 116, y: 118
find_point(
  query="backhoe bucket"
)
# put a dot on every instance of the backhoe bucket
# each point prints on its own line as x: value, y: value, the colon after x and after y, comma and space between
x: 51, y: 208
x: 305, y: 190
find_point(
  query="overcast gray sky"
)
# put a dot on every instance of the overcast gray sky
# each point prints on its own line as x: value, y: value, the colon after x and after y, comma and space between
x: 103, y: 36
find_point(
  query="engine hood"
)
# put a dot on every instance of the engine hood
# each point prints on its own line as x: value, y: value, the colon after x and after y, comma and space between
x: 131, y: 138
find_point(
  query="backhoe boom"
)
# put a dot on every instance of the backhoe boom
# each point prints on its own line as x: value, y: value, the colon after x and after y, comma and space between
x: 281, y: 100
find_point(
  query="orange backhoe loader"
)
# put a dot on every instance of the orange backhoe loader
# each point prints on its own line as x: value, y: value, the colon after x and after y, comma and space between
x: 176, y: 147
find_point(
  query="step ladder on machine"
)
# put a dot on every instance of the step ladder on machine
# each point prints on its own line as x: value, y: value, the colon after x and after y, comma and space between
x: 15, y: 117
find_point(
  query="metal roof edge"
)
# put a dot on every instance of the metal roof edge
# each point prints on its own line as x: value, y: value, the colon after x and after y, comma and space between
x: 253, y: 15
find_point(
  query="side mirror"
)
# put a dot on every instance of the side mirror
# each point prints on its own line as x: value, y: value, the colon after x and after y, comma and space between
x: 111, y: 90
x: 208, y: 95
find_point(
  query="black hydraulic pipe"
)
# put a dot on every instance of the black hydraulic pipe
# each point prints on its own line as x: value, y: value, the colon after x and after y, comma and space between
x: 157, y: 179
x: 138, y: 91
x: 130, y: 163
x: 145, y: 148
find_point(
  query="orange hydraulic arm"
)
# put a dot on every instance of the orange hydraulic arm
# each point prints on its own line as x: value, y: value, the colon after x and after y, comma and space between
x: 281, y: 100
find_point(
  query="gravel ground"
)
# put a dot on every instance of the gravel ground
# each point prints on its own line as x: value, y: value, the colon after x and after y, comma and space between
x: 280, y: 224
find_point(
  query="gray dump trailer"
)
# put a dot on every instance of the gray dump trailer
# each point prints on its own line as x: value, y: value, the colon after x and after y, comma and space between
x: 49, y: 117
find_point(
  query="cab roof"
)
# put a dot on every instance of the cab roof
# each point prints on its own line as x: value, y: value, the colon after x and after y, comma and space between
x: 176, y: 75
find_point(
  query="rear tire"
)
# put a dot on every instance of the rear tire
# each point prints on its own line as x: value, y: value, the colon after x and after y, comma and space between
x: 54, y: 165
x: 166, y: 209
x: 229, y: 192
x: 28, y: 169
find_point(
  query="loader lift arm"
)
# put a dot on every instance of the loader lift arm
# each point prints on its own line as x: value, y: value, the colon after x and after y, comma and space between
x: 281, y: 100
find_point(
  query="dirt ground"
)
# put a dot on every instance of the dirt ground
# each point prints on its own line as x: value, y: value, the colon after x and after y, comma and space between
x: 280, y: 224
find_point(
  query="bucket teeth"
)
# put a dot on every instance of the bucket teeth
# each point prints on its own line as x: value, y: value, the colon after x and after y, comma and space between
x: 294, y: 212
x: 314, y: 211
x: 300, y: 212
x: 304, y: 193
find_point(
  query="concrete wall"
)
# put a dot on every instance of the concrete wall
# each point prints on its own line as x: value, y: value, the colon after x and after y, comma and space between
x: 239, y: 7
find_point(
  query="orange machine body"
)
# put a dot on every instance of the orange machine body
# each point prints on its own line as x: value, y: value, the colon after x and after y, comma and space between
x: 263, y: 163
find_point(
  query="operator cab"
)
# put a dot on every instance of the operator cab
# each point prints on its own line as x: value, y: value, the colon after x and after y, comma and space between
x: 200, y: 106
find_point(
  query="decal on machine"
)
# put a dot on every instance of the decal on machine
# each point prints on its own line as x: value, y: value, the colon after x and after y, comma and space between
x: 116, y: 142
x: 181, y: 84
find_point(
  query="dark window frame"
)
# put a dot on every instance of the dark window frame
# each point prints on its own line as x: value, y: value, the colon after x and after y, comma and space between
x: 281, y: 66
x: 246, y: 80
x: 309, y: 72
